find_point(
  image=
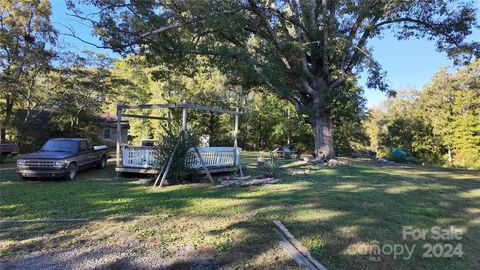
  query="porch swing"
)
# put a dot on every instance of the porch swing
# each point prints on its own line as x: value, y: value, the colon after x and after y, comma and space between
x: 208, y: 160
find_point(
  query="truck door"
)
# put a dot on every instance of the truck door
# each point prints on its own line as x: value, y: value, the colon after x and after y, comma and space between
x: 84, y: 157
x: 93, y: 157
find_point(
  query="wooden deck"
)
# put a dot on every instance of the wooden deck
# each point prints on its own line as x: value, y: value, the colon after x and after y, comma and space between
x: 142, y: 160
x: 155, y: 171
x: 136, y: 170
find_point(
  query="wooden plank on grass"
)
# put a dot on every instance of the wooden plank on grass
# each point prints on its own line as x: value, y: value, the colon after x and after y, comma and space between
x: 248, y: 182
x: 293, y: 252
x: 298, y: 245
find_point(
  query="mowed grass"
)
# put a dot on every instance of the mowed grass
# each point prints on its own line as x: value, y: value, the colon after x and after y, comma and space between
x: 338, y: 213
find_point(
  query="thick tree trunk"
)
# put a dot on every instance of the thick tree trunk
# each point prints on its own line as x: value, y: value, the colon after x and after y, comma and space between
x: 323, y: 134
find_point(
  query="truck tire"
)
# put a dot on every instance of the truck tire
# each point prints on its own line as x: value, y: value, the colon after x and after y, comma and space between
x: 102, y: 163
x: 71, y: 171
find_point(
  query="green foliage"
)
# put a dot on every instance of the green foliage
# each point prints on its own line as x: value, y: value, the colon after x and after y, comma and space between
x: 269, y: 168
x: 82, y: 89
x: 439, y: 124
x: 54, y: 93
x: 268, y: 122
x: 348, y: 108
x: 164, y: 149
x: 26, y: 34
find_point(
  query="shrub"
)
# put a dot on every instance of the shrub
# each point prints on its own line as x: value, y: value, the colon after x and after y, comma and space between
x: 467, y: 158
x: 269, y: 167
x: 164, y: 147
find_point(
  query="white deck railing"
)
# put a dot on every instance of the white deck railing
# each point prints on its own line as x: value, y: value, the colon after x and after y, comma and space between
x: 138, y: 157
x: 145, y: 157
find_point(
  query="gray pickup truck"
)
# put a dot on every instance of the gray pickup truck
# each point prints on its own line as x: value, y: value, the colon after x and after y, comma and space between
x: 62, y: 157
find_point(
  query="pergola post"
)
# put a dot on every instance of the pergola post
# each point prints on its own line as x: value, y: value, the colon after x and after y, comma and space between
x: 119, y: 132
x: 184, y: 117
x: 236, y: 159
x: 235, y: 137
x: 169, y: 121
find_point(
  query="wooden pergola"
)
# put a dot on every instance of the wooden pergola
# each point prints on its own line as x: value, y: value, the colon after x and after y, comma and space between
x: 185, y: 107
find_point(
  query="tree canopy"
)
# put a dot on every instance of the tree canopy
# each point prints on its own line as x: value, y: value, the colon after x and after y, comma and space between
x: 25, y: 34
x: 441, y: 123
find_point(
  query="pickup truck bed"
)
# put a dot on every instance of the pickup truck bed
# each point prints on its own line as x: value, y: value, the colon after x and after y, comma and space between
x: 8, y: 150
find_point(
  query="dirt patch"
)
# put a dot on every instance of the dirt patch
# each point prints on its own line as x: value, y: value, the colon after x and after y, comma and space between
x: 130, y: 256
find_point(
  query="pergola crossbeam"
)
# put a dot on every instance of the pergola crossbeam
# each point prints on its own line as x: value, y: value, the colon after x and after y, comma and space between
x: 149, y: 106
x: 177, y: 106
x: 205, y: 108
x: 145, y: 116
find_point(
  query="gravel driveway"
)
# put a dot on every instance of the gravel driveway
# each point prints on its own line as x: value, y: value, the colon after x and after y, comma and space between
x: 107, y: 257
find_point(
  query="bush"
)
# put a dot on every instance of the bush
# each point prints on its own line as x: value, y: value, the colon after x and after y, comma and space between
x: 269, y: 169
x: 164, y: 147
x: 467, y: 158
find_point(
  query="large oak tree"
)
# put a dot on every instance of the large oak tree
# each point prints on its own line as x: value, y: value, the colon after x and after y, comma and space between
x: 303, y: 50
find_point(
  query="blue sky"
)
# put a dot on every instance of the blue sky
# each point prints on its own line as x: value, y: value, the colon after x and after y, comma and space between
x: 409, y: 63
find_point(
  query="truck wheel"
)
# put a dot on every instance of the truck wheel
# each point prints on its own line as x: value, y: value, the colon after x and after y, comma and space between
x: 103, y: 163
x: 71, y: 171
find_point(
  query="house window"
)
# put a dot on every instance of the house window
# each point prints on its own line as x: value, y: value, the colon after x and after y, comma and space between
x: 107, y: 134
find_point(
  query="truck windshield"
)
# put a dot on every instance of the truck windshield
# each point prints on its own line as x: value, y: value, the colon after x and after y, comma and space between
x: 60, y: 146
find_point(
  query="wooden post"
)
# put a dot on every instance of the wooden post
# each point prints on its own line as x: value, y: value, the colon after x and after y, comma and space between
x: 119, y: 133
x: 235, y: 139
x: 204, y: 165
x: 236, y: 158
x: 169, y: 121
x: 184, y: 118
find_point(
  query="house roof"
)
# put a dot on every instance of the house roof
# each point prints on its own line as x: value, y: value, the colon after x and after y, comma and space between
x: 109, y: 118
x: 44, y: 116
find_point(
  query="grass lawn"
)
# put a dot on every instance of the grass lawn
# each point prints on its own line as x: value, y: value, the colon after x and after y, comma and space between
x: 337, y: 213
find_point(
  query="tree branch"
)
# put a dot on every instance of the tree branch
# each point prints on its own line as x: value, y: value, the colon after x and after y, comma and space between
x: 427, y: 25
x: 361, y: 43
x: 276, y: 41
x: 350, y: 38
x: 165, y: 28
x: 181, y: 24
x: 325, y: 39
x: 296, y: 103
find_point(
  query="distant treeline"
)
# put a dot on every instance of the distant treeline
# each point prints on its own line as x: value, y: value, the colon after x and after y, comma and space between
x: 439, y: 124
